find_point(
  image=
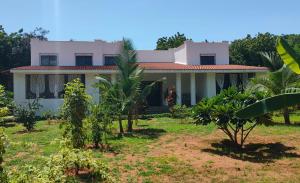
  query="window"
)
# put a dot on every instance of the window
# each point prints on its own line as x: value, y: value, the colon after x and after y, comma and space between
x: 84, y: 60
x: 48, y: 60
x: 110, y: 60
x: 48, y: 86
x: 207, y: 60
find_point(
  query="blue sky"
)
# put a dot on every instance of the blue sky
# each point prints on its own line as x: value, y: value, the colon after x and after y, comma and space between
x: 144, y: 21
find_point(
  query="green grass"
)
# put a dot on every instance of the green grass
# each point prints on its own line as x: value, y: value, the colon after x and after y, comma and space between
x: 31, y: 148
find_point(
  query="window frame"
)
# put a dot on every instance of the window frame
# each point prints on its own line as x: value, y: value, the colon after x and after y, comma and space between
x: 48, y: 54
x: 109, y: 55
x: 84, y: 54
x: 208, y: 54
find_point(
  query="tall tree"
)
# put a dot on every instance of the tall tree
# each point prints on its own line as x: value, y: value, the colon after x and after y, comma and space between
x: 246, y: 51
x: 15, y: 49
x: 174, y: 41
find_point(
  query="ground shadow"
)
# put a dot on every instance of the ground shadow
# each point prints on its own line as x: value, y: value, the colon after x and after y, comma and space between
x: 257, y: 152
x: 6, y: 125
x: 147, y: 133
x: 295, y: 124
x: 28, y: 132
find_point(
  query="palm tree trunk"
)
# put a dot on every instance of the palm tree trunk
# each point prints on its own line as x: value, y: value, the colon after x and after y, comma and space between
x: 121, y: 125
x: 286, y: 116
x: 129, y: 125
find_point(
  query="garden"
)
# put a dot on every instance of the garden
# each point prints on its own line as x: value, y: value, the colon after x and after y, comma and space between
x: 240, y: 135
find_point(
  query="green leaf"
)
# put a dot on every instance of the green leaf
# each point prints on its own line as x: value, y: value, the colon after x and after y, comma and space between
x: 269, y: 105
x: 288, y: 55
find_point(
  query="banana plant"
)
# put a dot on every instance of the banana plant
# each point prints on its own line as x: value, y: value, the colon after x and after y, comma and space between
x: 292, y: 60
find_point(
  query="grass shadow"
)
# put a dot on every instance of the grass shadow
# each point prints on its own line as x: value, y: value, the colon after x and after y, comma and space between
x: 254, y: 152
x: 28, y: 132
x: 294, y: 124
x: 147, y: 133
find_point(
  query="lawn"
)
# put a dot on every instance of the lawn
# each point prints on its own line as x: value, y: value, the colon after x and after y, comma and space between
x: 167, y: 150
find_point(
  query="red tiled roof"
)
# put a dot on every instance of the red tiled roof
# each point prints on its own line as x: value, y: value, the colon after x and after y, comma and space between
x: 149, y: 66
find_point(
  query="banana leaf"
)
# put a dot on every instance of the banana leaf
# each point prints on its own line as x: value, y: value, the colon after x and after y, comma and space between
x: 288, y: 55
x: 269, y: 105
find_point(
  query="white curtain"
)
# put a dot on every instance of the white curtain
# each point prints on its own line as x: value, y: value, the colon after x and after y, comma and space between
x: 56, y: 84
x: 37, y: 84
x: 220, y: 80
x: 233, y: 79
x: 245, y: 79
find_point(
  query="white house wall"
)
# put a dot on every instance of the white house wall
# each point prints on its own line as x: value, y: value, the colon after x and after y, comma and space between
x: 188, y: 53
x: 194, y: 50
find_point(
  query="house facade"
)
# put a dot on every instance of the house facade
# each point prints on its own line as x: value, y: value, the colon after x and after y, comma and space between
x: 195, y: 70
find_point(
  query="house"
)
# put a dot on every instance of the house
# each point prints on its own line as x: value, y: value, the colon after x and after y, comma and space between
x: 195, y: 69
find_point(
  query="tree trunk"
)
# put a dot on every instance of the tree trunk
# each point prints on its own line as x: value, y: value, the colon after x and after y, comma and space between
x: 286, y: 116
x: 121, y: 125
x: 129, y: 125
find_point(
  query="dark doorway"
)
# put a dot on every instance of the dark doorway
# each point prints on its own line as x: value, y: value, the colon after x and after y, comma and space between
x: 154, y: 98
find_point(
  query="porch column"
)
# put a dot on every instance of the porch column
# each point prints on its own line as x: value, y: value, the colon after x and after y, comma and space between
x: 193, y: 89
x: 178, y: 88
x: 113, y: 78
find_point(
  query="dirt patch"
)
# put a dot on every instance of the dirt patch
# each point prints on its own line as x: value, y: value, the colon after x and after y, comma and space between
x: 203, y: 159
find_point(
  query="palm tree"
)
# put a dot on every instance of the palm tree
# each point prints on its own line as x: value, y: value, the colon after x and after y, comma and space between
x: 272, y: 60
x: 126, y: 92
x: 276, y: 83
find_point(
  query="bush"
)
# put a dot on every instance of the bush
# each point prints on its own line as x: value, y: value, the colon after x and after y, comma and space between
x: 4, y: 111
x: 74, y: 110
x: 221, y: 111
x: 27, y: 114
x: 180, y: 112
x: 100, y: 121
x: 63, y: 167
x: 3, y: 143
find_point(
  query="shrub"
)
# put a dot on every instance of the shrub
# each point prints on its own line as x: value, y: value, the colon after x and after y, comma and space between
x: 27, y: 114
x: 63, y: 167
x: 100, y: 121
x: 74, y: 110
x: 4, y: 111
x: 3, y: 143
x: 180, y: 111
x: 221, y: 111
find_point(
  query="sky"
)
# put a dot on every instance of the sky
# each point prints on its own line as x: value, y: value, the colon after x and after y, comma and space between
x: 144, y: 21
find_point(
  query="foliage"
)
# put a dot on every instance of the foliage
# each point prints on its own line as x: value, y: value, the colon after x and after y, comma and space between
x: 26, y: 114
x: 272, y: 60
x: 15, y: 47
x: 59, y: 167
x: 269, y: 105
x: 165, y: 43
x: 288, y: 55
x: 3, y: 144
x: 221, y: 111
x: 4, y: 111
x: 180, y: 111
x: 100, y: 119
x: 74, y: 110
x: 276, y: 83
x: 127, y: 89
x: 5, y: 99
x: 285, y: 78
x: 246, y: 51
x: 113, y: 99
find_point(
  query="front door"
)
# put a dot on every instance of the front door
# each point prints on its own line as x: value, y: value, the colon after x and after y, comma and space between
x: 155, y: 96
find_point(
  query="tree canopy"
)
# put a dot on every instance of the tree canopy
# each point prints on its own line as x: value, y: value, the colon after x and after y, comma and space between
x: 174, y: 41
x: 15, y: 47
x: 247, y: 51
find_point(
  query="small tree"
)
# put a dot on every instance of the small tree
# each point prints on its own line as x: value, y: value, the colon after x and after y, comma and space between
x: 181, y: 112
x: 101, y: 119
x: 27, y: 114
x: 74, y: 110
x: 221, y: 110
